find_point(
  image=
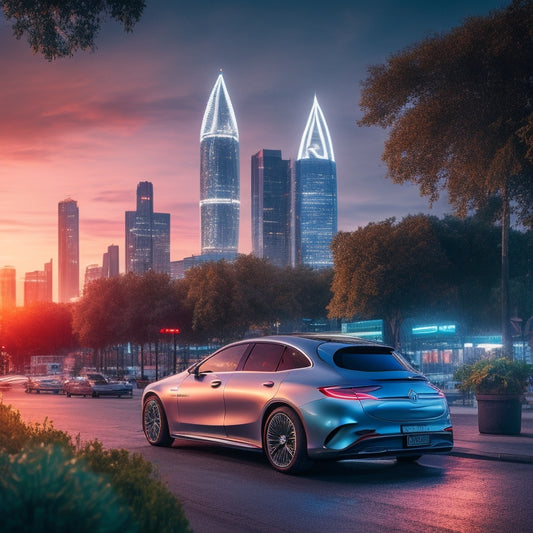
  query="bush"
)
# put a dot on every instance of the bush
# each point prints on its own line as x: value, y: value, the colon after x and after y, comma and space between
x: 46, y: 489
x: 41, y: 469
x: 15, y: 434
x: 494, y: 376
x: 154, y: 507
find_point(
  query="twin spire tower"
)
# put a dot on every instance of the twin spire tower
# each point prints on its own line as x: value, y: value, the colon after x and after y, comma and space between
x: 312, y: 185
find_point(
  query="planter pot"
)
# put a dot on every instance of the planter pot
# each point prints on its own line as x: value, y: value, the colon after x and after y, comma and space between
x: 499, y: 414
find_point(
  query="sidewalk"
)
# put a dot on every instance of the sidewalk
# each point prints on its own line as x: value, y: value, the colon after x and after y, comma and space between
x: 468, y: 442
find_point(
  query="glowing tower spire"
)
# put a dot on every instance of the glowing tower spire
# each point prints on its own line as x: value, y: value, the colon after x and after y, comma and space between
x: 315, y: 193
x: 219, y: 176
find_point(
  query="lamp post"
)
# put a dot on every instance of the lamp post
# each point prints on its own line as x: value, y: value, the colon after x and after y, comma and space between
x: 173, y: 332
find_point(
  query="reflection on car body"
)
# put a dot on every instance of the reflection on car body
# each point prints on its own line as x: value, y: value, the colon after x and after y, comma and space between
x: 301, y: 398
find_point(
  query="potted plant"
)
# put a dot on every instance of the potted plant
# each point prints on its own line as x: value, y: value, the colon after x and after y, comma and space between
x: 499, y: 385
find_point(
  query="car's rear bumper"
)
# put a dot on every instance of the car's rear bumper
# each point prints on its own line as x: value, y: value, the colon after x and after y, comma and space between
x: 375, y: 445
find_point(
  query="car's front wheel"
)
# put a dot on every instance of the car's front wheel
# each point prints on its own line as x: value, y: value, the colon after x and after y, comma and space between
x: 284, y: 441
x: 155, y: 425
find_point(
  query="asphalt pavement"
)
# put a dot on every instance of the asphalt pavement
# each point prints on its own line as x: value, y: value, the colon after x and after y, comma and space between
x: 469, y: 442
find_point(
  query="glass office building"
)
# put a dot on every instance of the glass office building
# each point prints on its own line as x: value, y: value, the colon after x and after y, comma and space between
x: 219, y: 176
x: 68, y: 267
x: 271, y: 207
x: 315, y: 193
x: 147, y: 235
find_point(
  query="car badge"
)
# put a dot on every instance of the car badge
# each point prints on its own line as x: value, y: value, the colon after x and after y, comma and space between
x: 412, y: 395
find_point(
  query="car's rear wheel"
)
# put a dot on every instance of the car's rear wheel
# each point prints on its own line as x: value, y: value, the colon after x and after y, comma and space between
x: 155, y: 425
x: 284, y: 441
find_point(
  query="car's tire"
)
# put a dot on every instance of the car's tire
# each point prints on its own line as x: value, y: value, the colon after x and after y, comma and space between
x: 285, y: 442
x: 155, y: 425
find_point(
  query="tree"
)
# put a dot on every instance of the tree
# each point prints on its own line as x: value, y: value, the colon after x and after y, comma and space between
x: 388, y: 270
x: 458, y: 107
x: 43, y: 328
x: 211, y: 297
x: 58, y: 28
x: 98, y: 315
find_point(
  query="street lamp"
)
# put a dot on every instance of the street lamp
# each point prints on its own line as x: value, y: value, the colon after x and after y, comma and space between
x: 173, y: 332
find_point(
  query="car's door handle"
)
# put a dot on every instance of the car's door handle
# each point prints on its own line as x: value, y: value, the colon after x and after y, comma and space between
x: 216, y: 383
x: 268, y: 384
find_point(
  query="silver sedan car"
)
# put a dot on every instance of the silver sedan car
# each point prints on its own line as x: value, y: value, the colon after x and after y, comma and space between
x: 301, y: 398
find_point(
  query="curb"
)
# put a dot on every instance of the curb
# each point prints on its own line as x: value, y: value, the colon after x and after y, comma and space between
x: 491, y: 456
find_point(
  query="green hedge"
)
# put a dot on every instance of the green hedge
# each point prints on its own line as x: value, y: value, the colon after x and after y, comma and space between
x: 48, y: 483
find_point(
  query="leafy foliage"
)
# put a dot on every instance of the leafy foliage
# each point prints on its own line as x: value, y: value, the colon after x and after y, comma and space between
x: 458, y: 110
x: 58, y: 28
x: 456, y: 106
x: 388, y: 270
x: 46, y: 489
x: 135, y: 480
x: 42, y: 469
x: 494, y: 376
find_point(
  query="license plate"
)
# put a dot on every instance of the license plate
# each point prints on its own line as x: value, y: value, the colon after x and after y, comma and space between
x: 417, y: 440
x: 415, y: 429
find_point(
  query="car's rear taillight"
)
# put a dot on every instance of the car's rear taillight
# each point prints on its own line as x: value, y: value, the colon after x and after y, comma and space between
x: 350, y: 393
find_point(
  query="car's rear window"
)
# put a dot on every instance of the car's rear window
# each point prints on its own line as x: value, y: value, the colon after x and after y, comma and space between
x: 370, y: 359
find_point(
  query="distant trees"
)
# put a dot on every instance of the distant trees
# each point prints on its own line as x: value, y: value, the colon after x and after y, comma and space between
x: 216, y: 301
x: 458, y: 110
x: 428, y: 267
x: 41, y: 329
x: 58, y: 28
x: 388, y: 270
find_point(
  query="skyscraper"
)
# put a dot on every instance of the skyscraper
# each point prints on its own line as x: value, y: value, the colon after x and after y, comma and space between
x: 110, y: 263
x: 8, y: 288
x: 271, y: 207
x: 38, y: 285
x: 315, y: 193
x: 219, y: 176
x: 68, y: 251
x: 147, y: 235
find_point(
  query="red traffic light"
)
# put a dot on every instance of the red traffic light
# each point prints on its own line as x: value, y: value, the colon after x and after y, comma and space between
x: 169, y: 330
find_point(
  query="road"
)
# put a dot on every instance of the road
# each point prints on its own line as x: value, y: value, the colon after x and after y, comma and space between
x: 228, y: 490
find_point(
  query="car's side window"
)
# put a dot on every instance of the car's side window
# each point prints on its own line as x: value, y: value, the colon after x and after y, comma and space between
x: 293, y: 359
x: 264, y: 357
x: 225, y: 360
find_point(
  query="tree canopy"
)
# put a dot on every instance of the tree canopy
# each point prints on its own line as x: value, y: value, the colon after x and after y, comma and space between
x: 58, y: 28
x: 458, y: 108
x: 388, y: 270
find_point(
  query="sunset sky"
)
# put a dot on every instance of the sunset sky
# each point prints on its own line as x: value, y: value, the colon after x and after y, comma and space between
x: 92, y: 126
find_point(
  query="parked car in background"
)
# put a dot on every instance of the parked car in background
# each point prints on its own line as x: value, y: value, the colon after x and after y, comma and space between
x: 53, y: 384
x: 101, y: 386
x: 300, y: 398
x: 79, y: 386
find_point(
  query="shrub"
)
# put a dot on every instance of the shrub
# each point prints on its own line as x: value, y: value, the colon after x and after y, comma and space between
x: 494, y: 376
x: 16, y: 434
x: 154, y: 507
x: 45, y: 489
x: 43, y: 473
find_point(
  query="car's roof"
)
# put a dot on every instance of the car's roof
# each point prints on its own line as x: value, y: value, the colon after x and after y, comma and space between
x: 307, y: 340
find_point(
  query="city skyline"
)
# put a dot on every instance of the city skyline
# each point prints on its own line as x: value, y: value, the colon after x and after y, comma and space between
x: 92, y: 126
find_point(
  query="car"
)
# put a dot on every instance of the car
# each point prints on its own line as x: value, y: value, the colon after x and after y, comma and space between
x: 78, y: 386
x: 45, y: 384
x: 101, y: 386
x: 300, y: 399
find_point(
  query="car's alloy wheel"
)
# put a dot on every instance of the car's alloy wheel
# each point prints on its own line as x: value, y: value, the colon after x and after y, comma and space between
x: 155, y: 424
x: 284, y: 441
